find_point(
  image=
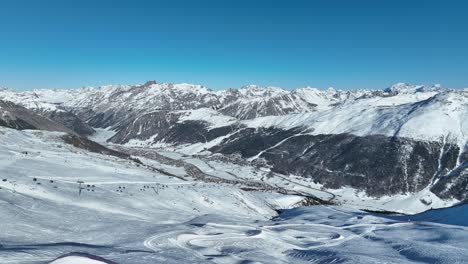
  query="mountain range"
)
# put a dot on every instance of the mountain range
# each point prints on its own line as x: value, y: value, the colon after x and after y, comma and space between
x: 177, y: 173
x: 409, y: 137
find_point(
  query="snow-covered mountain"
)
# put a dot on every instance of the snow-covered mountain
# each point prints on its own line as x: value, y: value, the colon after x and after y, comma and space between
x: 245, y: 103
x: 336, y: 137
x: 186, y: 174
x: 117, y: 105
x: 114, y: 103
x: 113, y: 209
x: 49, y: 103
x: 18, y: 117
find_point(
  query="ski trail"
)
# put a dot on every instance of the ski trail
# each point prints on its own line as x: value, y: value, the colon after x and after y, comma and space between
x: 274, y: 146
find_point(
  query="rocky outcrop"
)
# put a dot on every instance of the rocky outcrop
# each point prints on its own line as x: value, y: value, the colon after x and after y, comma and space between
x: 70, y: 121
x: 18, y: 117
x: 153, y: 125
x: 455, y: 183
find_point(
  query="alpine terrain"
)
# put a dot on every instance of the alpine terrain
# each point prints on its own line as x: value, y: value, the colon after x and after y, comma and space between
x: 179, y: 173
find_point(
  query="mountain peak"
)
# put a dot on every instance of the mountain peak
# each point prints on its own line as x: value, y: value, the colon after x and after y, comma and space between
x: 309, y: 88
x: 149, y: 83
x: 252, y: 87
x: 253, y: 90
x: 332, y: 90
x: 405, y: 88
x: 259, y: 87
x: 409, y: 89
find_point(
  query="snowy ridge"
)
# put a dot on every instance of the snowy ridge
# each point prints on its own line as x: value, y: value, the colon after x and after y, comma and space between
x: 414, y: 111
x: 431, y: 117
x: 47, y: 100
x: 245, y: 103
x: 160, y: 95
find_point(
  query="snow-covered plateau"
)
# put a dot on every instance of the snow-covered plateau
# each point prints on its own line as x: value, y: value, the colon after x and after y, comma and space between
x: 178, y: 173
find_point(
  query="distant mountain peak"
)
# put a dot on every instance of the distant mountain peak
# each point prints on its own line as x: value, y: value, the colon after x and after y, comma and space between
x: 253, y: 90
x: 405, y: 88
x: 253, y: 87
x: 150, y: 83
x: 332, y: 90
x: 309, y: 88
x: 400, y: 88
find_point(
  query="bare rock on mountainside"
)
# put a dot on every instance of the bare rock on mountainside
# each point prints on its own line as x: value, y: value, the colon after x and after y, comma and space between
x: 18, y: 117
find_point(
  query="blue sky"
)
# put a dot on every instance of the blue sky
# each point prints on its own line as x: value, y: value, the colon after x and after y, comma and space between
x: 220, y: 44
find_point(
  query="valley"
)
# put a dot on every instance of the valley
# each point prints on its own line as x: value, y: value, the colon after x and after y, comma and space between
x: 147, y: 173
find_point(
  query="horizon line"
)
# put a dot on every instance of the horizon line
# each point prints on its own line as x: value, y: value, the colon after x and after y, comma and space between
x: 222, y: 89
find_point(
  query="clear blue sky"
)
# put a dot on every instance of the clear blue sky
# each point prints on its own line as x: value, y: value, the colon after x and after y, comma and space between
x: 224, y: 43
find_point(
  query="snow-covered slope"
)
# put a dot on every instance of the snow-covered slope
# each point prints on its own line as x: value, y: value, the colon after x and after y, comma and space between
x: 57, y: 200
x: 44, y: 99
x: 49, y: 103
x: 456, y: 215
x: 18, y: 117
x: 419, y: 116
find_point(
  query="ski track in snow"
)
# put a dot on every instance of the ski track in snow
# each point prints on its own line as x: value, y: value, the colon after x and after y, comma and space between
x: 213, y: 241
x: 192, y: 241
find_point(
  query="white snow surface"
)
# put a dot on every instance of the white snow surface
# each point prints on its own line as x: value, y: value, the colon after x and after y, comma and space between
x: 76, y: 260
x: 208, y: 115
